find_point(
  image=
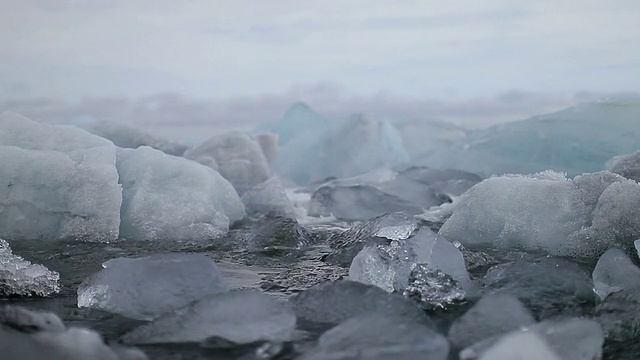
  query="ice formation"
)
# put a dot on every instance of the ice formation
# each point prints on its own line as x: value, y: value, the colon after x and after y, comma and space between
x: 567, y: 339
x: 492, y: 315
x: 378, y: 230
x: 423, y: 138
x: 575, y: 140
x: 58, y: 183
x: 238, y: 157
x: 19, y: 277
x: 267, y: 197
x: 342, y: 149
x: 278, y: 233
x: 546, y: 212
x: 174, y: 199
x: 144, y: 288
x: 38, y: 335
x: 548, y: 286
x: 432, y: 288
x: 126, y: 135
x: 379, y: 337
x: 334, y: 302
x: 241, y: 317
x: 299, y: 119
x: 615, y: 272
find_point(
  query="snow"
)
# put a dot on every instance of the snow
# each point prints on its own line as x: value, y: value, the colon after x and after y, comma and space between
x: 144, y: 288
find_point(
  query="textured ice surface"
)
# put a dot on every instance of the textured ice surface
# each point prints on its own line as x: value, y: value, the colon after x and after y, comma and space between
x: 626, y: 165
x: 56, y: 183
x: 379, y: 337
x: 546, y: 212
x: 143, y: 288
x: 173, y: 199
x: 548, y: 286
x: 277, y: 232
x: 334, y: 302
x: 126, y: 135
x: 373, y: 265
x: 38, y: 335
x: 492, y: 315
x: 378, y: 230
x: 241, y: 317
x: 615, y: 272
x: 432, y: 289
x: 269, y: 196
x: 19, y: 277
x: 619, y: 315
x: 433, y: 250
x: 575, y: 140
x: 341, y: 149
x: 568, y: 339
x: 358, y: 202
x: 238, y: 157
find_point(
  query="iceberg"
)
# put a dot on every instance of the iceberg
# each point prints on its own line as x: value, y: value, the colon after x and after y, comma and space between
x: 126, y: 135
x: 169, y: 198
x: 342, y: 149
x: 269, y: 196
x: 546, y: 212
x: 22, y: 278
x: 58, y: 183
x: 237, y: 155
x: 144, y: 288
x: 242, y: 317
x: 575, y: 140
x: 423, y: 138
x: 298, y: 119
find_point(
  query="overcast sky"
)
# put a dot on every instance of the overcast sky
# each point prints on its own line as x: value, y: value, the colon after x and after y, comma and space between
x: 225, y: 51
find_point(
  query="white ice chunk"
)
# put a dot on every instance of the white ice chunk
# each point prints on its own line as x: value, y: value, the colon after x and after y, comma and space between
x: 146, y: 287
x: 22, y: 278
x: 238, y: 157
x: 615, y: 272
x: 240, y: 316
x: 174, y: 199
x: 519, y: 345
x: 582, y: 217
x: 626, y: 165
x: 373, y: 266
x: 56, y: 183
x: 379, y: 337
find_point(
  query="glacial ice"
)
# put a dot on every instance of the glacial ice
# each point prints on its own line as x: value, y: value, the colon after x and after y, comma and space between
x: 267, y: 197
x: 126, y: 135
x: 38, y: 335
x: 19, y: 277
x: 615, y: 272
x: 299, y: 119
x: 360, y: 202
x: 378, y: 230
x: 492, y: 315
x: 58, y: 183
x: 575, y: 140
x: 277, y: 232
x: 619, y: 315
x: 144, y: 288
x: 546, y: 212
x: 423, y: 138
x: 237, y: 155
x: 379, y: 337
x: 241, y: 317
x: 568, y: 339
x: 374, y: 266
x: 432, y: 288
x: 341, y: 149
x: 335, y: 302
x: 173, y: 199
x: 627, y: 165
x: 548, y: 286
